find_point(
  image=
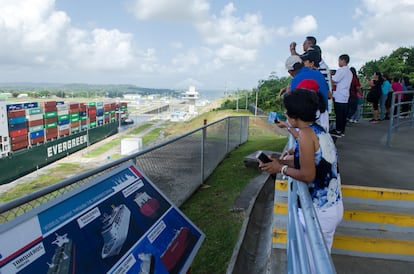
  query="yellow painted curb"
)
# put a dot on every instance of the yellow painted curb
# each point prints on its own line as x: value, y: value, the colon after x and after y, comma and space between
x: 374, y: 245
x: 375, y: 193
x: 385, y: 218
x: 359, y: 244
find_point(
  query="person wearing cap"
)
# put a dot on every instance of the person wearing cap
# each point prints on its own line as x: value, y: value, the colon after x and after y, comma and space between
x: 342, y: 78
x: 309, y: 44
x: 300, y: 68
x: 299, y: 73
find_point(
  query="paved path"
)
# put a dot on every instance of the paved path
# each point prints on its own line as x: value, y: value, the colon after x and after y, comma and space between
x: 366, y: 160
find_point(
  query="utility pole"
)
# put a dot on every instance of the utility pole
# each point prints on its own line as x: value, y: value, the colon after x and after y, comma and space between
x: 255, y: 109
x: 247, y: 96
x: 237, y: 100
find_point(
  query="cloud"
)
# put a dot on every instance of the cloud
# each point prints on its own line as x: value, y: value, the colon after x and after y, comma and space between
x: 235, y: 39
x: 301, y: 25
x: 383, y: 27
x: 170, y: 10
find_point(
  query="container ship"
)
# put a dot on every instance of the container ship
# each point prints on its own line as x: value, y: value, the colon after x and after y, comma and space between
x: 35, y: 134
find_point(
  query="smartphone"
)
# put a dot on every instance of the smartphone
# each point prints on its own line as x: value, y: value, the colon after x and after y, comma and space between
x: 263, y: 157
x: 279, y: 117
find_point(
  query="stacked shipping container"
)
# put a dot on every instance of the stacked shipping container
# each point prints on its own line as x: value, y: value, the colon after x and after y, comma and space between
x: 29, y: 124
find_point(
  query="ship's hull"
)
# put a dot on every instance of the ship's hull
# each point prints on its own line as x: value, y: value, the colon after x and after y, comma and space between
x: 25, y: 161
x: 119, y: 233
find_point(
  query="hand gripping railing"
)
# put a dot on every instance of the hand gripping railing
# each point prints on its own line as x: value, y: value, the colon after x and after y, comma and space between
x: 299, y: 260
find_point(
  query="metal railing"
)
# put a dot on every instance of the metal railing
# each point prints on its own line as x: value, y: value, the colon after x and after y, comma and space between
x: 401, y: 112
x: 177, y: 167
x: 298, y: 257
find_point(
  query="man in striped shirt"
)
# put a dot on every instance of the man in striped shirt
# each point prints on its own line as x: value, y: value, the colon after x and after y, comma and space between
x: 309, y: 44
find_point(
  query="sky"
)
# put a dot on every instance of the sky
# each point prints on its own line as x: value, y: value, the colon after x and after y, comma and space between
x: 174, y: 44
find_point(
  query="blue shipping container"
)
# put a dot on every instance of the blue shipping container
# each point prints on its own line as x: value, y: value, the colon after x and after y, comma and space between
x: 36, y: 134
x: 17, y: 120
x: 63, y: 122
x: 30, y: 105
x: 14, y: 107
x: 17, y: 126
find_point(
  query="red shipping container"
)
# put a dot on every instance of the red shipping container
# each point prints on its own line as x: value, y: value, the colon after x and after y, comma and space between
x: 73, y: 110
x: 51, y: 136
x: 49, y: 104
x: 51, y: 120
x: 83, y: 122
x: 74, y: 124
x: 34, y: 123
x: 50, y: 109
x: 92, y: 119
x: 73, y: 106
x: 18, y: 139
x: 51, y: 130
x: 37, y: 140
x: 18, y: 132
x: 20, y: 145
x: 92, y: 112
x: 16, y: 113
x: 64, y: 132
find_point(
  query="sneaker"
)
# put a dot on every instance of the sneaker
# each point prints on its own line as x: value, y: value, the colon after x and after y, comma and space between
x: 335, y: 133
x: 374, y: 121
x: 356, y: 122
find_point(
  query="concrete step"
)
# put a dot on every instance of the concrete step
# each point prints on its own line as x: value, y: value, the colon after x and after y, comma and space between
x: 377, y: 222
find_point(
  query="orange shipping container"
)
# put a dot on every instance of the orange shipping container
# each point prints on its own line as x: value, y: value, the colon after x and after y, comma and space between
x: 20, y: 145
x: 18, y: 139
x: 18, y: 132
x: 16, y: 113
x: 37, y: 140
x: 34, y: 123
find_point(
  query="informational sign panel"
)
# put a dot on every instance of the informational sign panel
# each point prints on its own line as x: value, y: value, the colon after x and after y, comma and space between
x: 119, y: 223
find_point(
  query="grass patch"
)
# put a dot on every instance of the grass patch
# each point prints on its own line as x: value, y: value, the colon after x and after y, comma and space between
x: 140, y: 128
x: 104, y: 148
x: 151, y: 136
x: 209, y: 208
x: 60, y: 172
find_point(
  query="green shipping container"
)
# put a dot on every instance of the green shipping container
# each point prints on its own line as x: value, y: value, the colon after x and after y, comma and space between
x: 76, y: 119
x: 35, y: 128
x: 50, y: 114
x: 51, y: 125
x: 63, y: 117
x: 33, y: 111
x: 83, y: 118
x: 92, y: 104
x: 74, y: 115
x: 93, y: 124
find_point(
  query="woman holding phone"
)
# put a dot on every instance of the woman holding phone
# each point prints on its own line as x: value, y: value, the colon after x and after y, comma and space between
x: 314, y: 160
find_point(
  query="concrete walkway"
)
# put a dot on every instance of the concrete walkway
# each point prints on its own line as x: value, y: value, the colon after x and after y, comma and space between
x: 366, y: 160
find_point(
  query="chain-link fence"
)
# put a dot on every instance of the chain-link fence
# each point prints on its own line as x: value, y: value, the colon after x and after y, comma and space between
x: 177, y: 167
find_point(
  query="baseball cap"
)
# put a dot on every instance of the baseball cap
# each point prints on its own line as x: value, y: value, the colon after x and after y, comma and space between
x: 308, y: 84
x: 312, y: 55
x: 291, y: 61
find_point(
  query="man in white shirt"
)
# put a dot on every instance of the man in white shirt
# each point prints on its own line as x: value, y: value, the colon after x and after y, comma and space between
x: 342, y: 78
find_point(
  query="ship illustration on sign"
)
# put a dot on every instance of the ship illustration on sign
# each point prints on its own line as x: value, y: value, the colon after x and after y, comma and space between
x: 148, y: 205
x: 123, y: 181
x: 147, y: 263
x: 177, y: 249
x: 115, y: 230
x: 61, y: 260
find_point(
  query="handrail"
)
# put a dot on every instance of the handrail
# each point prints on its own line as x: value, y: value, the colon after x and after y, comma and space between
x: 396, y: 113
x: 298, y: 259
